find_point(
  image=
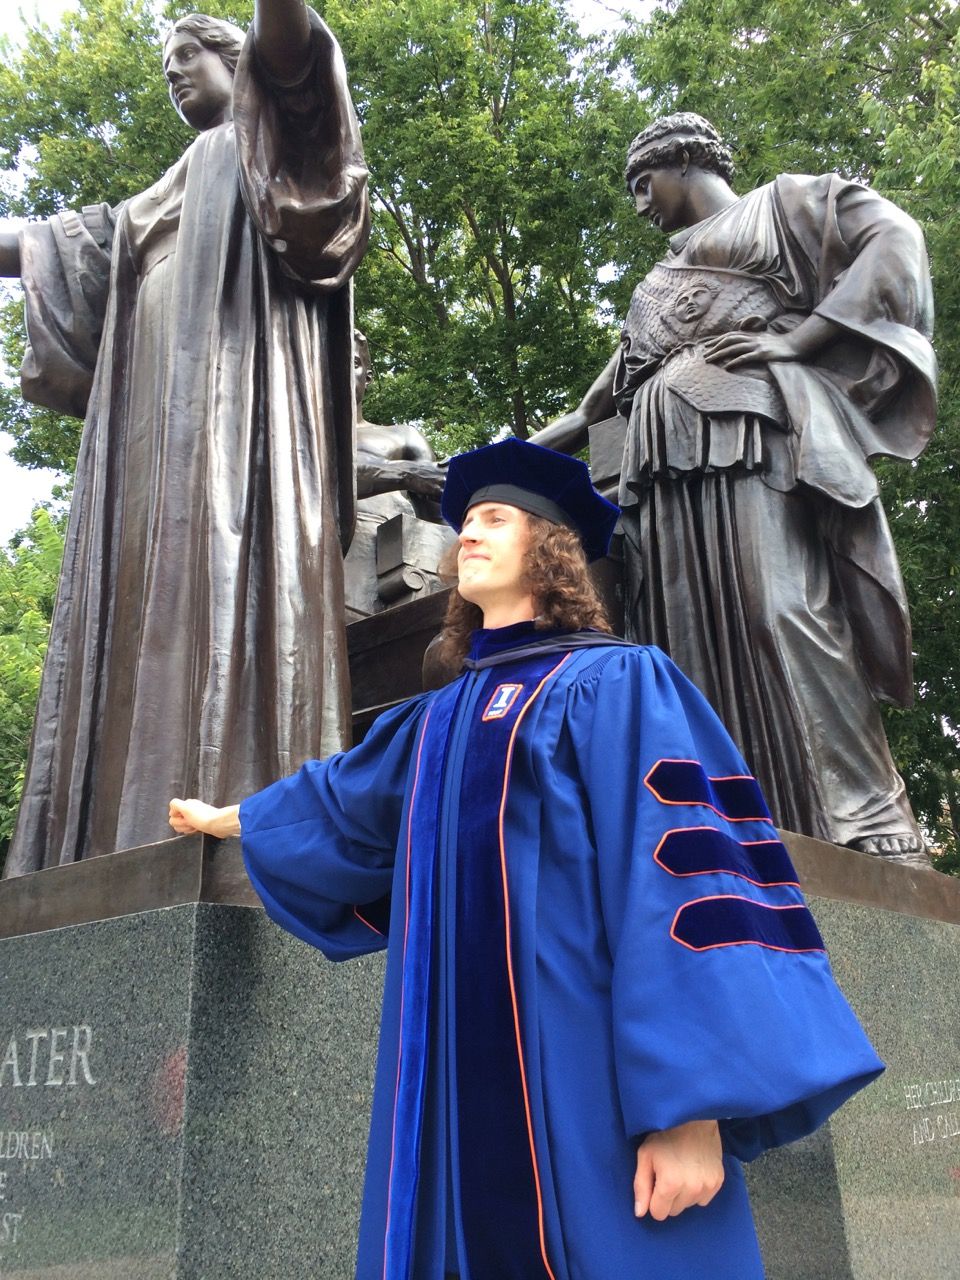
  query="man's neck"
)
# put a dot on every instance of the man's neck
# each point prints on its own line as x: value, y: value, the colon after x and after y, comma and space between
x: 506, y: 614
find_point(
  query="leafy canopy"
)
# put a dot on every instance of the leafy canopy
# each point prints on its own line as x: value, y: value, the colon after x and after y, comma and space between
x: 29, y: 568
x: 504, y: 249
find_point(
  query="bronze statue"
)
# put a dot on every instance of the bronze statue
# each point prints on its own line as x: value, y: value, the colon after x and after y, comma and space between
x: 393, y: 459
x: 400, y: 535
x: 782, y: 342
x: 205, y: 330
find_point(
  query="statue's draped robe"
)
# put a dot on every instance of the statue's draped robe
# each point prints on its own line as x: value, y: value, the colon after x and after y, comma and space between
x: 197, y: 645
x: 758, y: 554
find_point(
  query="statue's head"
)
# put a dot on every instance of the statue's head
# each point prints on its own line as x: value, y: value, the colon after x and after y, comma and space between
x: 663, y: 144
x: 200, y: 56
x: 362, y: 367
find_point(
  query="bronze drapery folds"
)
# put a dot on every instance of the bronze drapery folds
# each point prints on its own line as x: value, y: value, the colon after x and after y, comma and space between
x: 782, y: 342
x: 205, y: 328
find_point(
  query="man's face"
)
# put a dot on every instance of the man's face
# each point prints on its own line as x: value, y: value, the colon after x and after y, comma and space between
x: 201, y: 84
x: 490, y: 562
x: 661, y: 195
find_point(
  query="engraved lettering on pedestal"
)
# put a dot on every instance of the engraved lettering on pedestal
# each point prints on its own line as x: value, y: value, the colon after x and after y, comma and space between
x: 10, y: 1227
x: 923, y: 1131
x: 942, y: 1095
x: 25, y: 1048
x: 80, y: 1054
x: 10, y: 1063
x: 26, y: 1145
x: 58, y: 1036
x: 56, y: 1058
x: 34, y: 1037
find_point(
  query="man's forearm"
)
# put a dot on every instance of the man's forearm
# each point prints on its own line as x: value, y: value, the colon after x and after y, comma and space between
x: 227, y: 822
x: 188, y: 816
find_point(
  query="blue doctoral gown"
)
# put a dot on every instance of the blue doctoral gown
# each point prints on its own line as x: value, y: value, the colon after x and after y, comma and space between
x: 593, y: 932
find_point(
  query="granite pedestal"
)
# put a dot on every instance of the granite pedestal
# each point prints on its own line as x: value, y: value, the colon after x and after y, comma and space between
x: 875, y: 1195
x: 184, y: 1089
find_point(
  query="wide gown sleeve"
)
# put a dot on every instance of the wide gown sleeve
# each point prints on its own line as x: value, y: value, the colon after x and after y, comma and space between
x: 319, y: 846
x: 724, y: 1005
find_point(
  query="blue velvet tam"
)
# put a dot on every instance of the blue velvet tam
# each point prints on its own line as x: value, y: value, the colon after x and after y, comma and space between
x: 540, y: 481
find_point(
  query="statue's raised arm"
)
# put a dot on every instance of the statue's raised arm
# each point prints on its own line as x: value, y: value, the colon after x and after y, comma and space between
x: 204, y: 329
x: 281, y: 32
x: 9, y: 254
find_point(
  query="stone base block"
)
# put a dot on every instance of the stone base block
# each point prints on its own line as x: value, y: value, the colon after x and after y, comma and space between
x: 184, y: 1094
x: 875, y: 1195
x: 184, y: 1089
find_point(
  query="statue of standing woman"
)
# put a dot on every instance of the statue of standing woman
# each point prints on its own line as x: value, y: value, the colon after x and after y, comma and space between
x: 781, y: 343
x: 204, y: 329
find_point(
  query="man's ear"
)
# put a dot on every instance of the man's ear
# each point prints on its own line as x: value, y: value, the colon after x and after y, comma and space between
x: 684, y: 161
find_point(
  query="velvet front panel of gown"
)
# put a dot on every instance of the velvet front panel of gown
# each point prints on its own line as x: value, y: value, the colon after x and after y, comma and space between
x: 198, y: 643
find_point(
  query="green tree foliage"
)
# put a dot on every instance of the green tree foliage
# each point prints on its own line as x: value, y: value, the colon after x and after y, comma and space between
x: 503, y: 248
x: 919, y: 167
x: 493, y: 208
x: 784, y: 79
x: 28, y: 582
x: 80, y: 123
x: 42, y: 438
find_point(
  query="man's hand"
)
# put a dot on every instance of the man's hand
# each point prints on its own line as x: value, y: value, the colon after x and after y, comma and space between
x: 678, y: 1168
x: 188, y: 816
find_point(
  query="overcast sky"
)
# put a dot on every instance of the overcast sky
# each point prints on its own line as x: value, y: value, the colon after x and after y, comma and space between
x: 593, y: 15
x: 21, y: 490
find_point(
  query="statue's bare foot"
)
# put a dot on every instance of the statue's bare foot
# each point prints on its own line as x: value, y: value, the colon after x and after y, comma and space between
x: 908, y: 849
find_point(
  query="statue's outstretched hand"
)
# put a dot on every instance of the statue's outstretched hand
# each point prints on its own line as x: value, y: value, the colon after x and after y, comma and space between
x: 281, y: 32
x: 425, y: 478
x: 189, y: 816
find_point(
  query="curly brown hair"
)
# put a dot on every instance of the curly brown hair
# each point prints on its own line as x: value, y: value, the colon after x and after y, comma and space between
x: 556, y: 575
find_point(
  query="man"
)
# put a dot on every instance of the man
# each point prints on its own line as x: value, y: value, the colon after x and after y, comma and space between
x: 781, y: 343
x: 589, y: 918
